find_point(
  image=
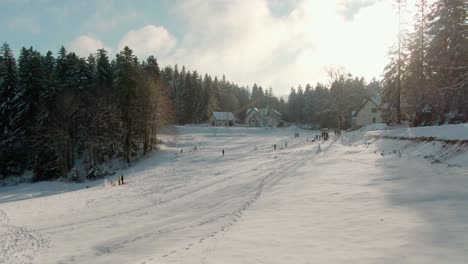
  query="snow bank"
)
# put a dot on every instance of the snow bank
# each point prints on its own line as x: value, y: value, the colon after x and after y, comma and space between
x: 373, y: 127
x: 445, y: 132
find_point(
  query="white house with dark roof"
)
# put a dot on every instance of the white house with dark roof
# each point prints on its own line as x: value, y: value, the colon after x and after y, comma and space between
x: 222, y: 119
x: 259, y: 117
x: 368, y: 113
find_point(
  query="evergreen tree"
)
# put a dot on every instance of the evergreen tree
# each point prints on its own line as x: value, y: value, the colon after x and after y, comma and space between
x: 8, y: 86
x: 447, y: 53
x: 126, y: 82
x: 416, y: 76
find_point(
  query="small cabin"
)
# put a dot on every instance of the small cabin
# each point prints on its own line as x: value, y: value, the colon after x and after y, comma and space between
x: 222, y: 119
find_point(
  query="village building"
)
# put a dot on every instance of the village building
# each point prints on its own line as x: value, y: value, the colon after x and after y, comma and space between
x: 222, y: 119
x: 263, y: 117
x: 368, y: 113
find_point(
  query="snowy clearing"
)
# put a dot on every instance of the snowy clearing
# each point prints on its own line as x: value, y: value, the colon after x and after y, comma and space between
x: 357, y: 200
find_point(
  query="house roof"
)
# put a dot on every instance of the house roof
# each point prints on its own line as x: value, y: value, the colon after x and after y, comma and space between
x: 276, y: 112
x: 229, y: 116
x: 373, y: 99
x: 264, y: 111
x: 253, y: 109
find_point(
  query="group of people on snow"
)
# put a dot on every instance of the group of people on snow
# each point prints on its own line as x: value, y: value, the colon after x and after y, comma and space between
x: 120, y: 180
x: 325, y: 135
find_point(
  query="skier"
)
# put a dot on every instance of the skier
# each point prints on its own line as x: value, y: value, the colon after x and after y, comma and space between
x: 223, y: 152
x: 122, y: 179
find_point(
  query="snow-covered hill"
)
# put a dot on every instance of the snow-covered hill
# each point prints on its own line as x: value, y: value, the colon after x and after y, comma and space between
x: 360, y: 199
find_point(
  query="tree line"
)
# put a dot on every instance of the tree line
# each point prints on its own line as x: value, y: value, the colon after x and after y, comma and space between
x: 57, y: 110
x: 330, y: 105
x: 428, y: 68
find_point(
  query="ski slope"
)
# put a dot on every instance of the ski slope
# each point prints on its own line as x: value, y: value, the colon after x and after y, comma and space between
x: 357, y: 200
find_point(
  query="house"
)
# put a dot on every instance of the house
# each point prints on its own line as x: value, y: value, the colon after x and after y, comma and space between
x: 255, y: 118
x: 222, y: 119
x: 368, y: 113
x: 259, y: 117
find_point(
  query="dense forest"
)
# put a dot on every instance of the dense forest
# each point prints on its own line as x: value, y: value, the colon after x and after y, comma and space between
x: 428, y: 67
x: 55, y: 110
x: 330, y: 106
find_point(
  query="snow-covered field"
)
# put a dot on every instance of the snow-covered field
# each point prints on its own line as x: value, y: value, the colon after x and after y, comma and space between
x: 357, y: 200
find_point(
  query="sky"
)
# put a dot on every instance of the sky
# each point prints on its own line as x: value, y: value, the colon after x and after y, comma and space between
x: 274, y: 43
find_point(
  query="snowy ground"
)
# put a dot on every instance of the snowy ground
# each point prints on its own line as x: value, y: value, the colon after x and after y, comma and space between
x: 358, y: 200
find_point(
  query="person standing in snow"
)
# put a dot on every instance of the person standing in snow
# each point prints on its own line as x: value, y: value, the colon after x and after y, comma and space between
x: 122, y: 179
x: 74, y: 174
x: 223, y: 152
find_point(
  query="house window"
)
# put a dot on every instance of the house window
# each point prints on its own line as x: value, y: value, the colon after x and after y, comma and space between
x: 374, y: 110
x: 373, y: 120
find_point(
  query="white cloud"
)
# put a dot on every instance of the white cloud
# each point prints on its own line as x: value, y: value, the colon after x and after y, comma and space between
x: 350, y: 8
x: 246, y: 41
x: 85, y: 45
x: 149, y: 40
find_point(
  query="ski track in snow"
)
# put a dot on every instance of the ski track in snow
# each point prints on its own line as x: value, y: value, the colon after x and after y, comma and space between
x: 18, y: 244
x: 179, y: 203
x: 270, y: 180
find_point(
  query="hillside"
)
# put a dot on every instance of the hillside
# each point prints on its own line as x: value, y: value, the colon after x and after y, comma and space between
x: 359, y: 198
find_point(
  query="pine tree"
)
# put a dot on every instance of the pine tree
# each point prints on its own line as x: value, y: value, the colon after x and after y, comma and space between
x: 415, y: 78
x: 447, y: 53
x: 126, y: 82
x: 293, y: 106
x: 179, y: 88
x: 8, y: 87
x: 308, y: 109
x: 389, y: 94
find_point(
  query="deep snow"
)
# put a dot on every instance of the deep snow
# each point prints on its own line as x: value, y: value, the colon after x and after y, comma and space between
x: 358, y: 200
